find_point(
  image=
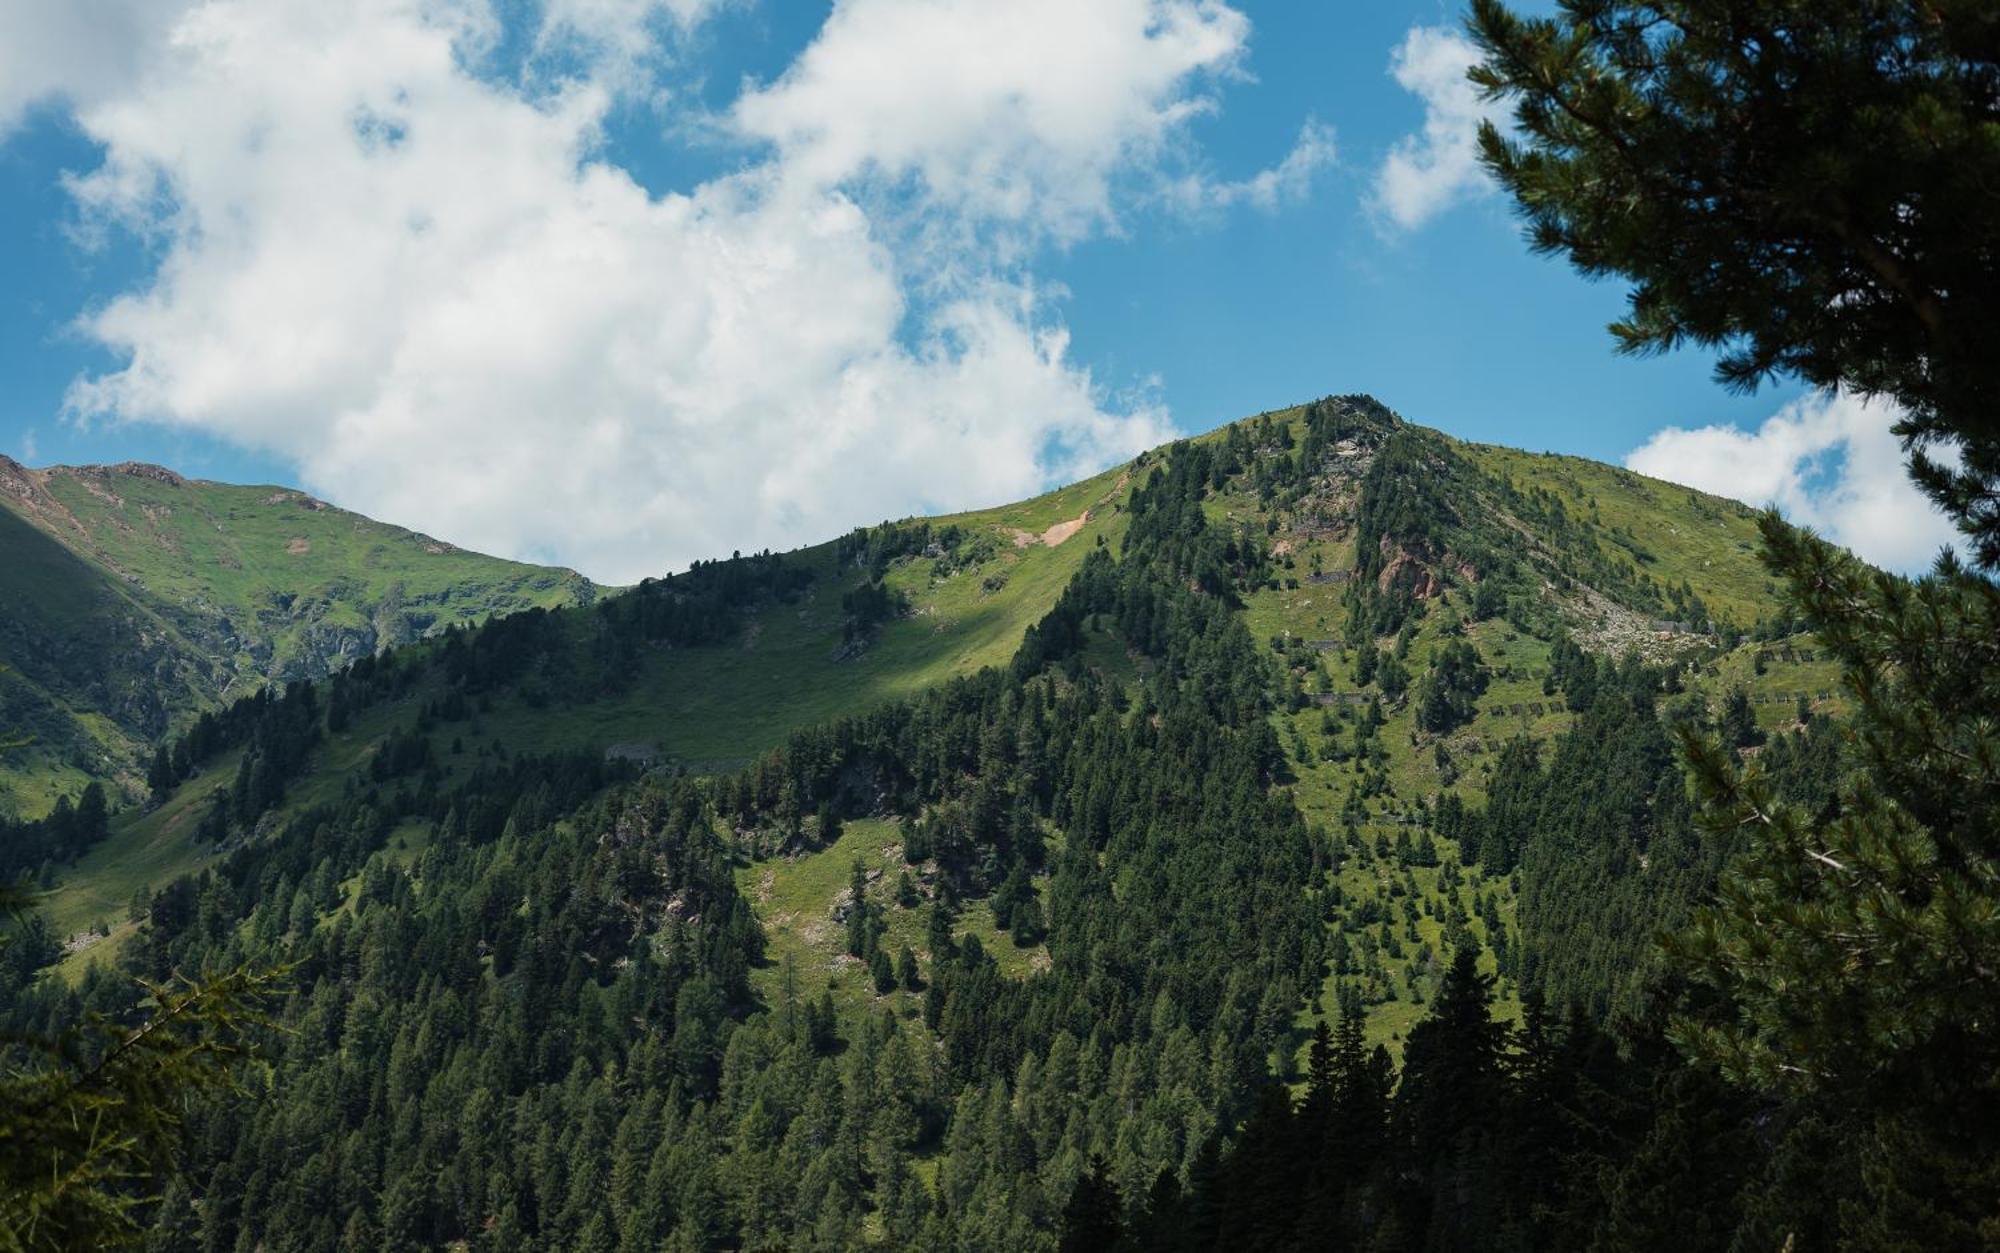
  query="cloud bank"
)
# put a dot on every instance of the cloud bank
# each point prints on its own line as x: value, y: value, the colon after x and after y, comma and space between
x: 75, y: 50
x: 1827, y: 461
x: 430, y: 289
x: 1437, y: 167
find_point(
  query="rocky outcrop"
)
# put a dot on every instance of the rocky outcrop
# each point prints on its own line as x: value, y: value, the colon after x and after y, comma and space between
x: 1406, y: 569
x: 139, y: 470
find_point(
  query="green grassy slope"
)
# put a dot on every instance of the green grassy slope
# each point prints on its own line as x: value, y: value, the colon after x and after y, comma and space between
x: 146, y: 848
x: 302, y: 585
x: 797, y: 898
x: 1673, y: 533
x: 707, y: 707
x: 131, y: 599
x: 716, y: 705
x: 90, y: 668
x: 1642, y: 529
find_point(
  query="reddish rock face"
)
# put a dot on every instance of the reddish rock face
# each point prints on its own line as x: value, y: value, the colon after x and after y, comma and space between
x: 1405, y: 567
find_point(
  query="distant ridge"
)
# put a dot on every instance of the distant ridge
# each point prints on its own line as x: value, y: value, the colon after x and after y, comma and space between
x: 133, y: 597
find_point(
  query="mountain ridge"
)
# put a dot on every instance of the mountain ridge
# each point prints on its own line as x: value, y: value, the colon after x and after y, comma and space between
x: 1360, y: 548
x: 245, y: 643
x: 1181, y: 761
x: 137, y: 597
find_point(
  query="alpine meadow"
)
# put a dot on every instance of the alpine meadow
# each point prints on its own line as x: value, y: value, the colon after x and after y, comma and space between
x: 1341, y: 828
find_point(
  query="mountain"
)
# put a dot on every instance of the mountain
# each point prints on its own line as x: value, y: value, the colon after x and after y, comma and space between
x: 862, y: 894
x: 132, y: 599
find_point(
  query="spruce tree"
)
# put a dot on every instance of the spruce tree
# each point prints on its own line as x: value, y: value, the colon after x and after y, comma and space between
x: 1809, y: 187
x: 860, y: 933
x: 1449, y: 1105
x: 1091, y: 1219
x: 160, y: 777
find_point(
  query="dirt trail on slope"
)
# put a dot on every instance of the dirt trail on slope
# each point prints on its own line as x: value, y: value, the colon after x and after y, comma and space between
x: 1063, y: 530
x: 1053, y: 536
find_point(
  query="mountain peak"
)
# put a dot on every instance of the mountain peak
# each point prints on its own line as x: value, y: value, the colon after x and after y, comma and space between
x: 133, y: 469
x: 145, y: 470
x: 21, y: 480
x: 16, y: 479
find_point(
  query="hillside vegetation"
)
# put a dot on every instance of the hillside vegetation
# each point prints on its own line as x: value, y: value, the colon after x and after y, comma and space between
x: 865, y: 863
x: 131, y: 599
x: 1550, y: 542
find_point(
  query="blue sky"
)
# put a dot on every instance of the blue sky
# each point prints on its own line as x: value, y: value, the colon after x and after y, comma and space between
x: 619, y: 283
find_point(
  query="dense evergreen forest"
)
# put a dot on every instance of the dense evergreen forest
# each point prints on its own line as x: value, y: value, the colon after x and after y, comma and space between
x: 569, y: 955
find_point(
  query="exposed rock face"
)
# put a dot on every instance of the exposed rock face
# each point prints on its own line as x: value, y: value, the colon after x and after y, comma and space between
x: 1403, y: 568
x: 324, y: 649
x: 17, y: 481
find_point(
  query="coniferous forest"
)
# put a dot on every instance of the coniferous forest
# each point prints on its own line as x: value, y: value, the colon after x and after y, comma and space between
x: 1369, y: 841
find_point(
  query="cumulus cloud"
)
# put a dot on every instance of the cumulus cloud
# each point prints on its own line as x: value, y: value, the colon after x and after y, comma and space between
x: 74, y: 50
x: 630, y: 26
x: 618, y: 39
x: 1019, y: 115
x: 1287, y: 182
x: 1436, y: 167
x: 1826, y: 460
x: 432, y: 293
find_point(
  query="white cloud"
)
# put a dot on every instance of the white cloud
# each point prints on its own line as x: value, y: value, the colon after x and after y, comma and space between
x: 630, y: 26
x: 73, y: 50
x: 1827, y: 461
x: 1021, y: 115
x: 619, y: 39
x: 1438, y: 166
x: 432, y: 294
x: 1287, y: 182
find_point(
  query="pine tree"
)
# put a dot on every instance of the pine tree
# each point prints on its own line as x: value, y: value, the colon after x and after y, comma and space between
x: 1739, y: 721
x: 1449, y: 1105
x: 1027, y: 920
x: 1266, y: 1174
x: 822, y: 1023
x: 1091, y: 1219
x: 1853, y: 945
x: 938, y: 933
x: 860, y: 932
x: 1690, y: 147
x: 160, y: 776
x: 1361, y: 1081
x: 103, y: 1113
